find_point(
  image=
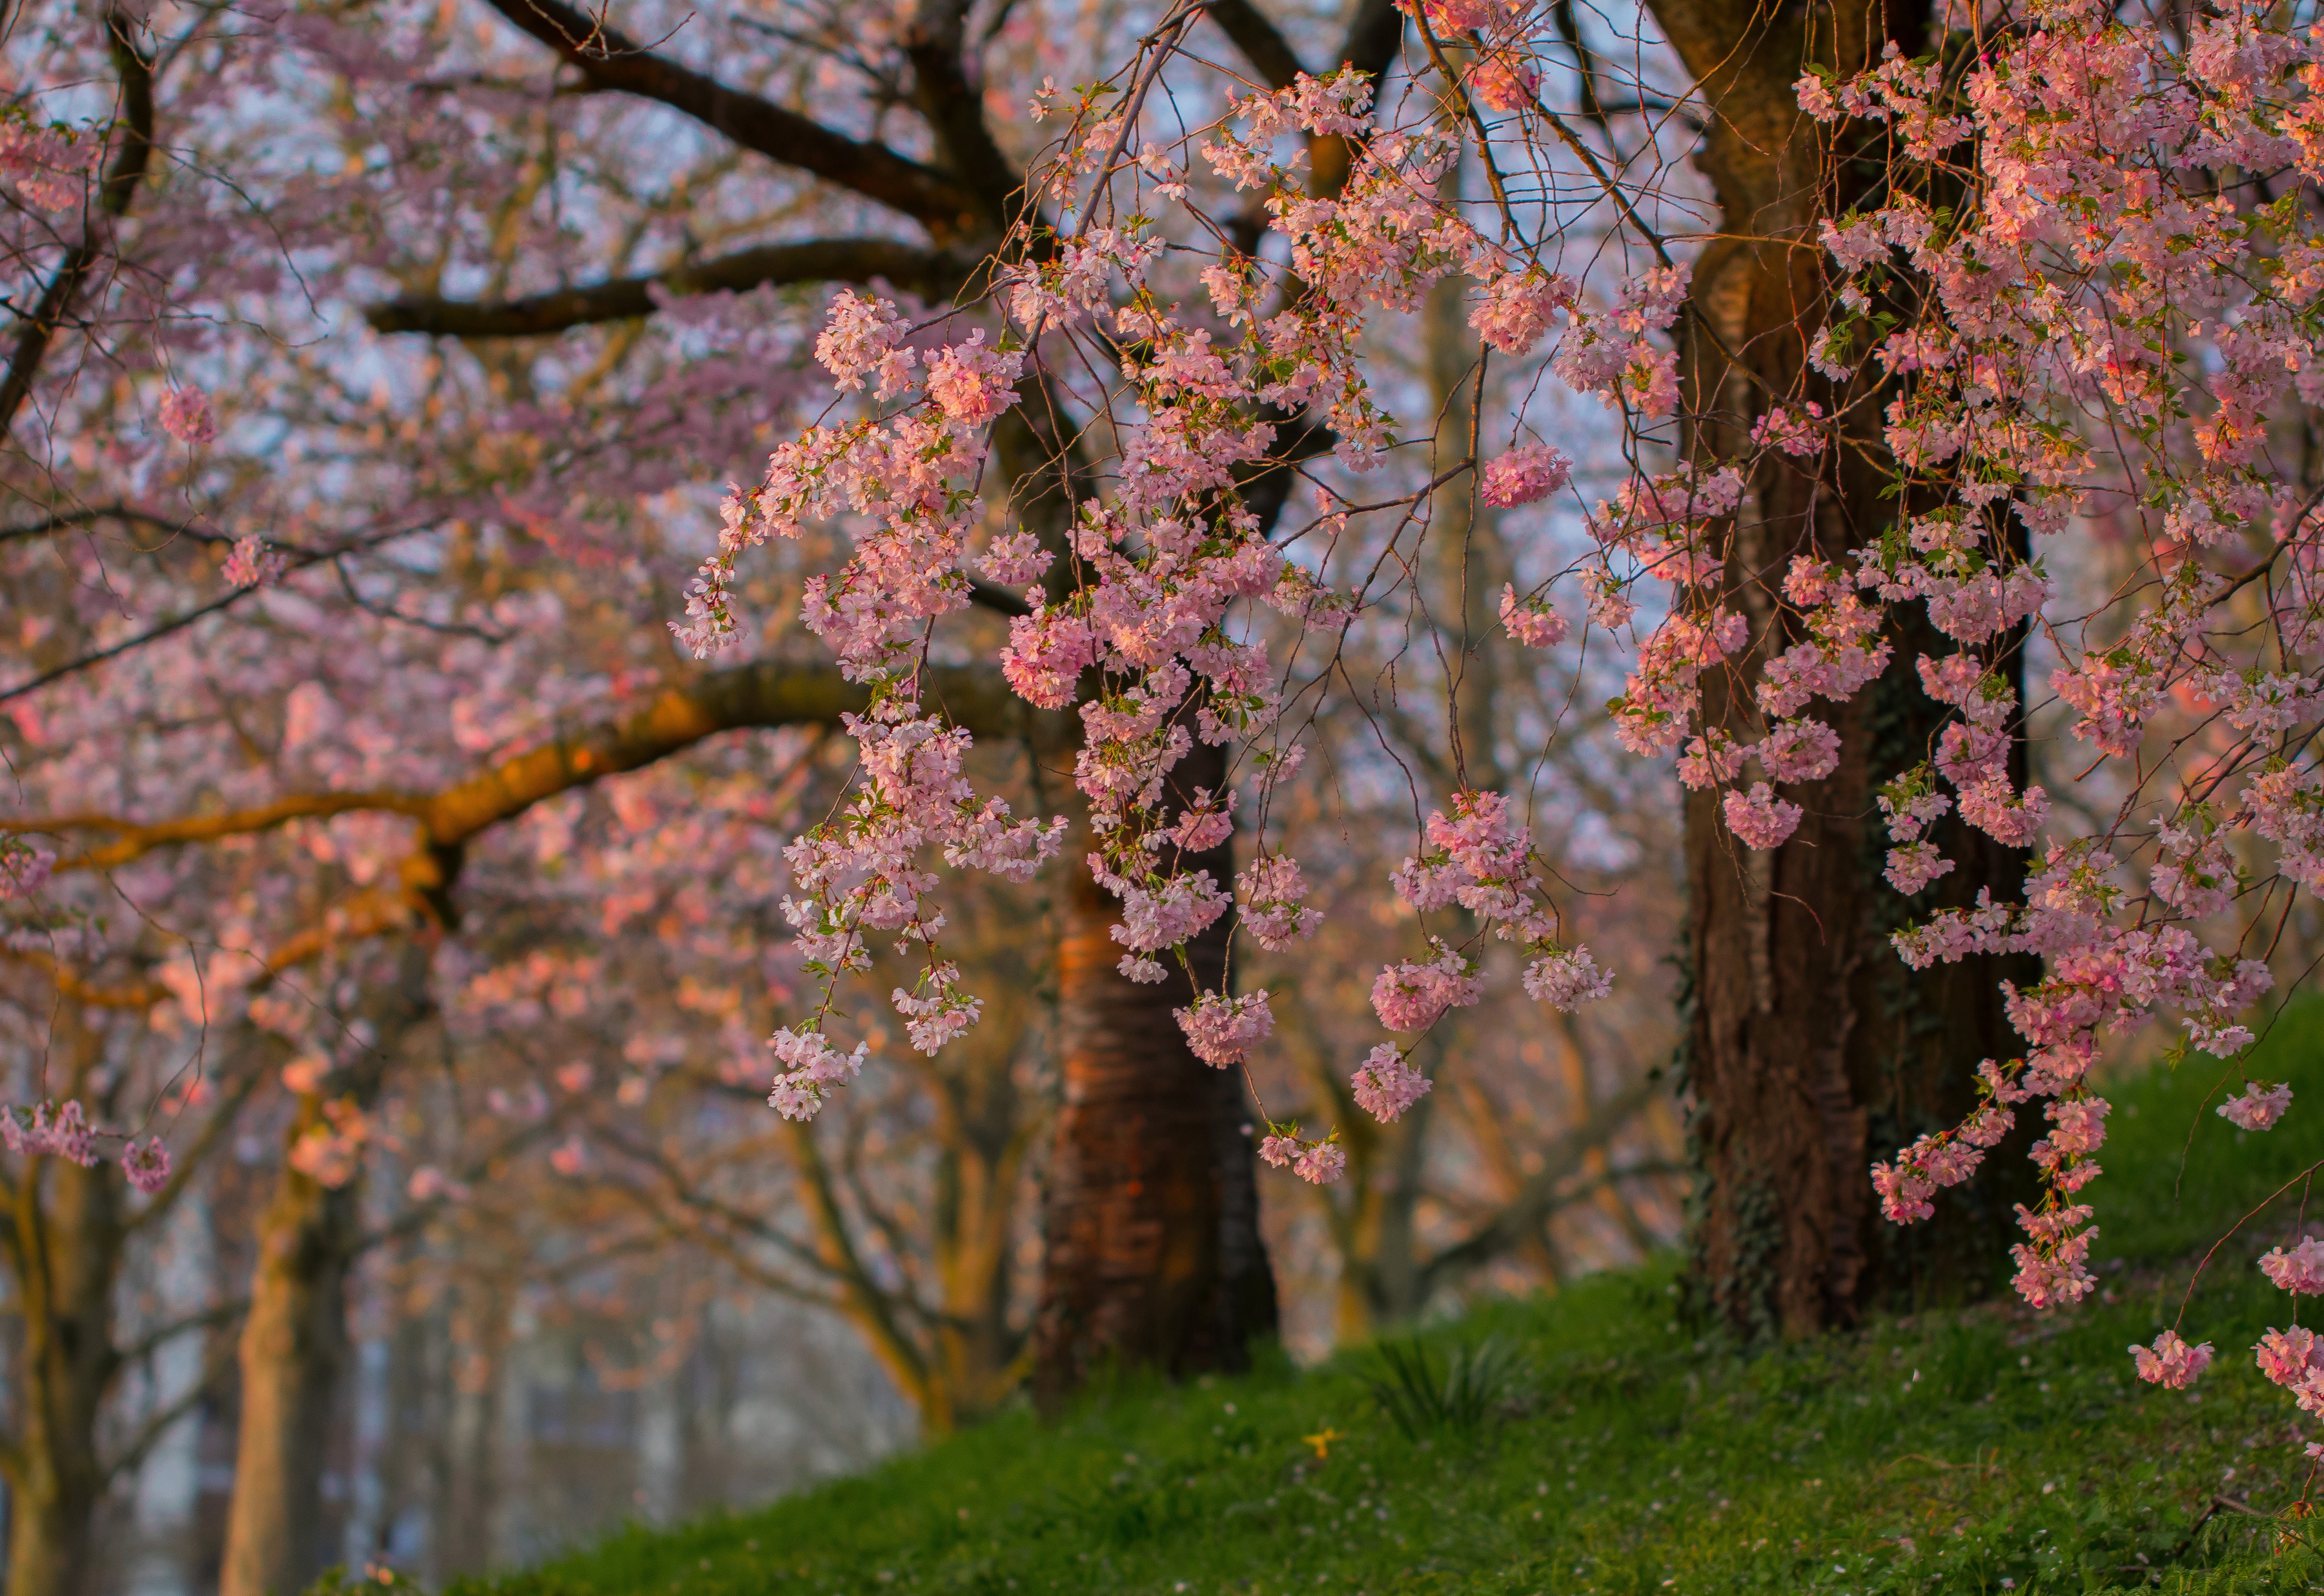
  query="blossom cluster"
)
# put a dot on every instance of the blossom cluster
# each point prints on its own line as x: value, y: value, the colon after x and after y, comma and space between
x: 68, y: 1134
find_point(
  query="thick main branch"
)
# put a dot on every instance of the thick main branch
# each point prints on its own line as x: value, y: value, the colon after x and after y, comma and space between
x: 608, y: 60
x: 931, y: 274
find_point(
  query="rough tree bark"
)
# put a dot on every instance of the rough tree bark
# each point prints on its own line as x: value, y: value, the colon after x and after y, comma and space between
x: 1807, y: 1051
x: 295, y: 1347
x: 1154, y: 1254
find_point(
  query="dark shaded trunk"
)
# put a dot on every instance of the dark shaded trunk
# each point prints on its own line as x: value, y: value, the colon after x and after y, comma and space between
x: 1809, y: 1050
x: 1154, y: 1255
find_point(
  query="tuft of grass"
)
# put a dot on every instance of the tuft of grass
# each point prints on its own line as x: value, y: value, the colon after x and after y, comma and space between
x: 1480, y: 1384
x: 1977, y: 1451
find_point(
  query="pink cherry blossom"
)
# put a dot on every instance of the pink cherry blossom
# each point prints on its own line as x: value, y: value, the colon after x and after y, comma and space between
x: 2299, y: 1272
x: 1759, y: 819
x: 1321, y: 1164
x: 1410, y: 996
x: 1499, y: 84
x: 1384, y: 1084
x: 186, y: 417
x: 2258, y: 1107
x: 1566, y: 980
x: 1524, y: 475
x: 2171, y: 1363
x: 1532, y: 621
x: 254, y: 564
x: 1222, y: 1029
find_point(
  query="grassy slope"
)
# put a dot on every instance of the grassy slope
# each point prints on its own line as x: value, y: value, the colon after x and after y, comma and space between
x: 1954, y: 1453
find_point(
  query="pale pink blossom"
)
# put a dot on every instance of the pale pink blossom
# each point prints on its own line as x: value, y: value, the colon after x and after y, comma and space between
x: 1222, y: 1030
x: 250, y: 564
x: 1800, y: 751
x: 1758, y: 817
x: 2299, y: 1272
x: 1500, y: 84
x: 1525, y: 474
x: 2288, y: 1357
x: 1321, y: 1164
x: 1566, y: 980
x: 146, y: 1164
x: 1531, y: 620
x: 1914, y: 865
x: 1386, y: 1084
x: 1410, y: 996
x: 2171, y: 1363
x: 186, y: 417
x: 2258, y: 1107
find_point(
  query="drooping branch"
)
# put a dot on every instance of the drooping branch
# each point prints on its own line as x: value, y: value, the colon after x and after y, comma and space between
x: 931, y: 274
x: 609, y: 61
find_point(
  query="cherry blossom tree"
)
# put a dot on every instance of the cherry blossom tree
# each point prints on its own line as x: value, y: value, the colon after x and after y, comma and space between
x: 1921, y: 327
x: 1950, y: 374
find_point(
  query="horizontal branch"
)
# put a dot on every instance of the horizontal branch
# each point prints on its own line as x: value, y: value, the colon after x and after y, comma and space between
x: 609, y: 61
x: 930, y: 274
x: 764, y: 693
x: 72, y: 520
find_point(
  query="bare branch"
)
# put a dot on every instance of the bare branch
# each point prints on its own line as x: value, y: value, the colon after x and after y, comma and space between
x: 930, y: 274
x: 1520, y: 1218
x: 209, y: 1318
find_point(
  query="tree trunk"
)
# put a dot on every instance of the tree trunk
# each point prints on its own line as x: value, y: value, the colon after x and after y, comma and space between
x: 1809, y: 1050
x: 295, y: 1349
x: 987, y: 1129
x: 68, y: 1251
x: 66, y: 1236
x: 1374, y: 1215
x: 1154, y: 1255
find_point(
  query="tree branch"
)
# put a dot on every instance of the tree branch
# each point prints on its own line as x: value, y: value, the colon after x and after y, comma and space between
x: 1267, y: 51
x: 214, y: 1369
x: 764, y: 693
x: 74, y: 519
x: 954, y: 109
x: 209, y: 1318
x: 930, y: 274
x: 114, y: 195
x: 1521, y: 1217
x: 609, y: 61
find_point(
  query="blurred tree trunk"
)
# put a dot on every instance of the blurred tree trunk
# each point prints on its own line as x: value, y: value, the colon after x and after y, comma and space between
x: 1154, y: 1253
x: 65, y: 1241
x: 987, y: 1132
x: 1808, y: 1052
x: 295, y: 1347
x: 1374, y: 1224
x: 468, y: 1475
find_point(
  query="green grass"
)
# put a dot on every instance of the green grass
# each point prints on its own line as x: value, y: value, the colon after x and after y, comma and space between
x: 1953, y: 1452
